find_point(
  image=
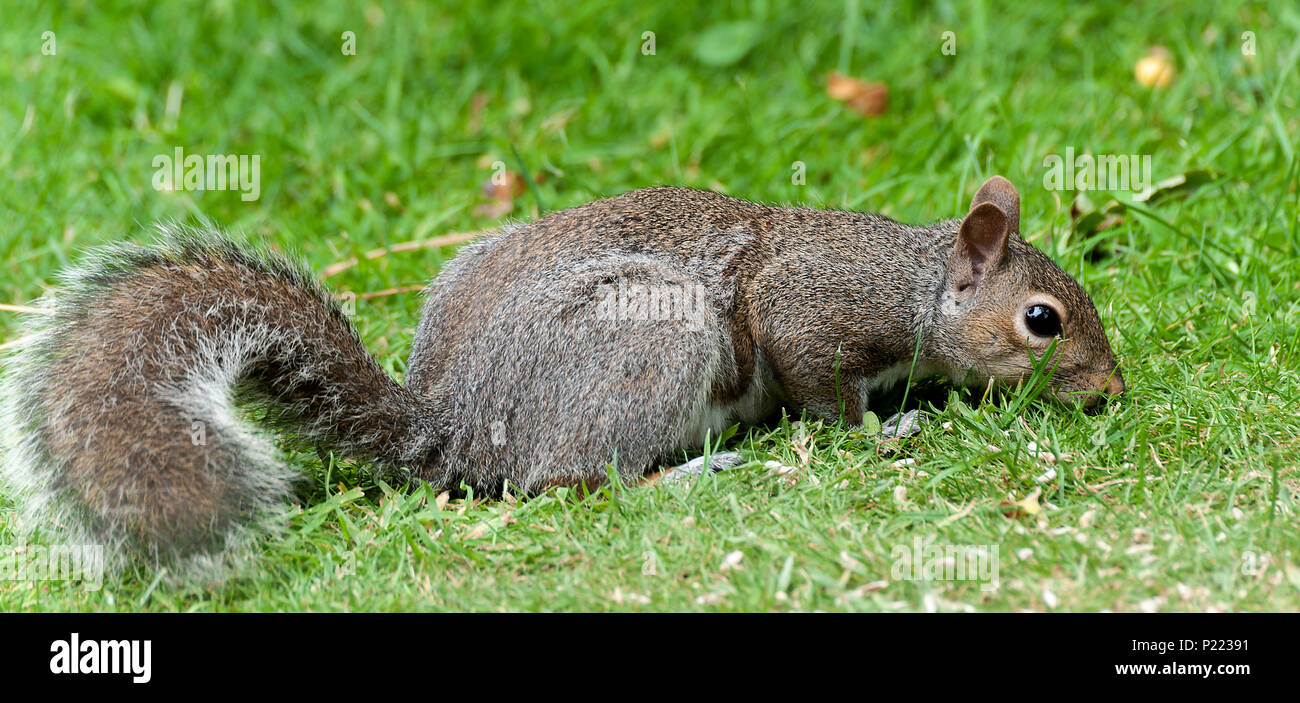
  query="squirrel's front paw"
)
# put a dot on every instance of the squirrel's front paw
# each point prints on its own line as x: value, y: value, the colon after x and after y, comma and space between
x: 721, y: 461
x: 900, y: 425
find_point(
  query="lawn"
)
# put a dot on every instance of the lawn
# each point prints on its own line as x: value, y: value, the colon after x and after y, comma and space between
x: 1181, y: 495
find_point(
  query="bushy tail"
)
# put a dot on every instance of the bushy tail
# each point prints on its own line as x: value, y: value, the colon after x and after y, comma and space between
x: 119, y: 415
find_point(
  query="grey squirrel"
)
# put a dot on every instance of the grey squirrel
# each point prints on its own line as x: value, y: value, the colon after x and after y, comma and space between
x: 621, y: 331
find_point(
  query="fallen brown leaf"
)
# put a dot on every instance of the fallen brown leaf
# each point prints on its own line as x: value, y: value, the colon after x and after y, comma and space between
x: 861, y: 97
x: 501, y: 189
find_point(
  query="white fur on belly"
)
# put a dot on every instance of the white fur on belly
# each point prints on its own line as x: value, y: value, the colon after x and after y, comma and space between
x: 759, y: 399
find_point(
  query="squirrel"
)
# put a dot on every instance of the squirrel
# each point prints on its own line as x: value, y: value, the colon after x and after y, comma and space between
x: 620, y: 332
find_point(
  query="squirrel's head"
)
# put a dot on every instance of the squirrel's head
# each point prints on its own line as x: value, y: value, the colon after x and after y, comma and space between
x: 1002, y: 298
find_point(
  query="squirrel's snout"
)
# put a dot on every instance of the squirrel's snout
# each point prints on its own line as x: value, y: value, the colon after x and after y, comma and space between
x: 1116, y: 384
x: 1107, y: 386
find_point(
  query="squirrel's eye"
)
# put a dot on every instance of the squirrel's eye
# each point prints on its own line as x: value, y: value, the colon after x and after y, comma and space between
x: 1043, y: 321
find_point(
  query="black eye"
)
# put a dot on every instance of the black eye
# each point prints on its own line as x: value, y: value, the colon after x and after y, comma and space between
x: 1043, y: 321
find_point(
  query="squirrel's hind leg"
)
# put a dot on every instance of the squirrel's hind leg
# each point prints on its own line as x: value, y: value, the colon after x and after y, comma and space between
x: 603, y: 362
x: 722, y: 461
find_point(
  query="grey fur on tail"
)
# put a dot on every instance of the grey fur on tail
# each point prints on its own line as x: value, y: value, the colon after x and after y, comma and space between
x: 120, y: 427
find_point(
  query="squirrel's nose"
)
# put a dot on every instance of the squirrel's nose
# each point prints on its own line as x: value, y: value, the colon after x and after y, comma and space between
x: 1116, y: 384
x: 1093, y: 400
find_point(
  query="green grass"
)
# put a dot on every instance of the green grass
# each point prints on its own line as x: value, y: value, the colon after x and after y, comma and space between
x: 1182, y: 495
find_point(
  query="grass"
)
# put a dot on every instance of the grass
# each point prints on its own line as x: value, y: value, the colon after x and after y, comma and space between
x: 1182, y: 495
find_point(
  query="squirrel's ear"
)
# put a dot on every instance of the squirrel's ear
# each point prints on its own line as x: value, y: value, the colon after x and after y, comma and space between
x: 981, y: 243
x: 1000, y: 192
